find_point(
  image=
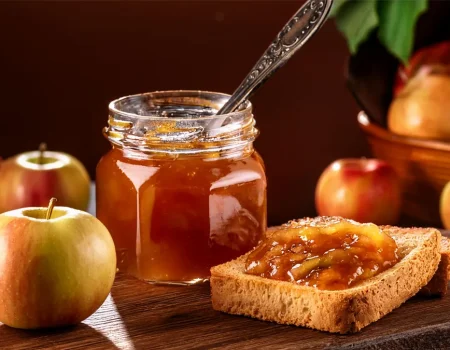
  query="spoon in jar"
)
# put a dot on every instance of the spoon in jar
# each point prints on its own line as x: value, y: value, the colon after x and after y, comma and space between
x: 292, y: 37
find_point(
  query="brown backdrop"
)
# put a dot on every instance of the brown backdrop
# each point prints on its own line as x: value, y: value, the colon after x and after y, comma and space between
x: 61, y: 64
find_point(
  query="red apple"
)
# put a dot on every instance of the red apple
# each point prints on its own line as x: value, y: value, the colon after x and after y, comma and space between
x: 53, y: 272
x: 31, y: 179
x: 427, y: 58
x: 365, y: 190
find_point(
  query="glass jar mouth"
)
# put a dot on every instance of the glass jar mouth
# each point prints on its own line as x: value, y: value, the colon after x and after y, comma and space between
x: 179, y: 122
x: 131, y: 106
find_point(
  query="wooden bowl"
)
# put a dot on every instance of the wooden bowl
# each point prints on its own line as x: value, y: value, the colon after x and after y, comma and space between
x: 422, y: 165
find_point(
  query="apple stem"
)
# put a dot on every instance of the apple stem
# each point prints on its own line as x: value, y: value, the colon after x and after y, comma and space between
x: 42, y: 149
x: 51, y: 205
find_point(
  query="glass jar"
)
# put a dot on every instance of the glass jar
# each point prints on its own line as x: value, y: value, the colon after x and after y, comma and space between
x: 181, y: 190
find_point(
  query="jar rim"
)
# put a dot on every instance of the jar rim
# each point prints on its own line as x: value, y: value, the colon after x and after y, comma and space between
x: 222, y: 98
x: 179, y: 122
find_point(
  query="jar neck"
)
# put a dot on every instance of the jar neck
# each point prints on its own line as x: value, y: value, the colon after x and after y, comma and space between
x: 180, y: 124
x: 233, y: 153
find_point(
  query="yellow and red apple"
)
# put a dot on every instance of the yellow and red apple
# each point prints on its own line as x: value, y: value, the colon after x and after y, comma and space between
x: 422, y: 109
x: 427, y: 58
x: 53, y: 272
x: 365, y: 190
x: 444, y: 206
x: 420, y: 106
x: 31, y: 179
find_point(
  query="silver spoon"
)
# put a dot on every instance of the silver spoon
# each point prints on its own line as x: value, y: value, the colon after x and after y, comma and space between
x: 295, y: 33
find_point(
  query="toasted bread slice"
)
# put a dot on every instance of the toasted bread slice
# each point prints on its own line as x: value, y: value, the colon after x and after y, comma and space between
x: 438, y: 286
x: 342, y: 311
x: 445, y: 250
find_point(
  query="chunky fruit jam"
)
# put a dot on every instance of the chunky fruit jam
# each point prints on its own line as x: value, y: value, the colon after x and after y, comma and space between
x: 333, y: 255
x: 172, y: 219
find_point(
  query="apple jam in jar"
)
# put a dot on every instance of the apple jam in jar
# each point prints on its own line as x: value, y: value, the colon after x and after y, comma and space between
x: 181, y: 190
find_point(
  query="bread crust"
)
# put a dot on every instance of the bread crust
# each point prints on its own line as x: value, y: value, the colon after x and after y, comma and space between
x: 343, y: 311
x: 438, y: 285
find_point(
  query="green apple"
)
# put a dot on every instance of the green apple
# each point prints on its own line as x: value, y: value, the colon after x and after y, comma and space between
x: 57, y: 266
x: 30, y: 179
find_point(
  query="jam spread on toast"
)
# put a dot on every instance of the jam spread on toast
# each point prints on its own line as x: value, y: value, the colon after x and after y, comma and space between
x: 334, y: 255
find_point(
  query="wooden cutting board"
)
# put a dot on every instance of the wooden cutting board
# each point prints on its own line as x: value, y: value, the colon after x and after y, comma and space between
x: 142, y: 316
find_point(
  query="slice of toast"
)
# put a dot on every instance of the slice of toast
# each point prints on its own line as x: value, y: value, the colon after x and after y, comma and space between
x: 438, y: 286
x: 445, y: 249
x: 341, y: 311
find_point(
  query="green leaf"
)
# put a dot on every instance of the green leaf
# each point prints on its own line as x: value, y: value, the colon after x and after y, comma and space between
x: 337, y: 4
x: 356, y: 20
x: 397, y: 25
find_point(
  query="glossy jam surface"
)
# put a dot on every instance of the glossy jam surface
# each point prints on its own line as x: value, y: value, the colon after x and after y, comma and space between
x: 173, y: 219
x: 332, y: 257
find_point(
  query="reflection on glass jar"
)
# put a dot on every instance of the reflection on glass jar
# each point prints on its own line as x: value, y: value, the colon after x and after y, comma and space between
x: 181, y: 190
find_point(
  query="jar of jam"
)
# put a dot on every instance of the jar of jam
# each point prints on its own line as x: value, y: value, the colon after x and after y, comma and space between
x: 182, y: 189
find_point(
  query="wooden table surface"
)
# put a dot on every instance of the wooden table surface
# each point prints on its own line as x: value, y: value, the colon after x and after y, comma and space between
x: 137, y: 315
x: 142, y: 316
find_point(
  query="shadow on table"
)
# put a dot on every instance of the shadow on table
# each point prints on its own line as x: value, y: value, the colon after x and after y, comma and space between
x: 160, y: 317
x: 79, y: 336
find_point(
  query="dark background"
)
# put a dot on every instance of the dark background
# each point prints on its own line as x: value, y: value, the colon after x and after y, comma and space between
x: 63, y: 62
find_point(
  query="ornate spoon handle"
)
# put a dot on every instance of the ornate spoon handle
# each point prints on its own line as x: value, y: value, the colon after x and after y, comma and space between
x: 295, y: 33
